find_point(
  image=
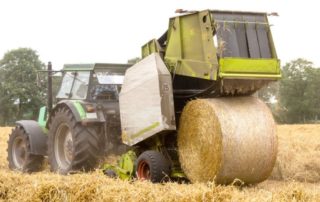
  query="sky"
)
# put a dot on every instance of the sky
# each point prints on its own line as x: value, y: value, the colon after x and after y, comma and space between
x: 83, y: 31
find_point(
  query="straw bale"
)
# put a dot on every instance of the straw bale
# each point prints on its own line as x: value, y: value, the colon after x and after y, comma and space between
x: 224, y: 139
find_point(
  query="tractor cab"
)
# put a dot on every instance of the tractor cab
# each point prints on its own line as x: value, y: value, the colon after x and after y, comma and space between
x: 92, y: 82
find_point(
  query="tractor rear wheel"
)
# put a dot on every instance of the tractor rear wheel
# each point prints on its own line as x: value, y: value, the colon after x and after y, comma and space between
x: 152, y: 165
x: 19, y: 154
x: 72, y: 146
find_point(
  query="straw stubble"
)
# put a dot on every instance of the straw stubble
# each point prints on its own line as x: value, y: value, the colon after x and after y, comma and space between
x: 302, y: 141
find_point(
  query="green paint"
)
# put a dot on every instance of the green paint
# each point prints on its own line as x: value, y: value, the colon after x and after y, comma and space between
x: 78, y: 67
x: 150, y: 47
x: 141, y: 132
x: 125, y: 167
x: 42, y: 119
x: 177, y: 174
x: 249, y: 68
x: 190, y: 50
x: 97, y: 66
x: 126, y: 163
x: 80, y: 109
x: 190, y: 43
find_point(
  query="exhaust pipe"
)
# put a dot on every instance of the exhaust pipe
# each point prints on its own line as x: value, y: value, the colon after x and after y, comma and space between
x: 49, y: 92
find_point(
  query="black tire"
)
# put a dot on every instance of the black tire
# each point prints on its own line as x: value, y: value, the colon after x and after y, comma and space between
x: 152, y: 165
x: 19, y: 153
x: 79, y: 150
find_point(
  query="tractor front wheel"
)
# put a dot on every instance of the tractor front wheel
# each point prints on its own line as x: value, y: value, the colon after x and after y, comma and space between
x: 152, y: 165
x: 72, y: 146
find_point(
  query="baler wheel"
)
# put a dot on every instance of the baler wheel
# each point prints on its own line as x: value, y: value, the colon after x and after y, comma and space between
x: 153, y: 166
x: 19, y: 155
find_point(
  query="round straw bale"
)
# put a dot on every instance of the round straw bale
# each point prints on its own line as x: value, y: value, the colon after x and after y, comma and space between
x: 224, y: 139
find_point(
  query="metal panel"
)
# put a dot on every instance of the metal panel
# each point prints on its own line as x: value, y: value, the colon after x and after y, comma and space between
x: 252, y: 37
x: 241, y: 37
x: 240, y: 67
x: 243, y: 34
x: 111, y: 67
x: 189, y: 49
x: 227, y: 38
x: 146, y: 101
x: 230, y: 37
x: 262, y: 34
x: 37, y: 138
x: 97, y: 66
x: 78, y: 67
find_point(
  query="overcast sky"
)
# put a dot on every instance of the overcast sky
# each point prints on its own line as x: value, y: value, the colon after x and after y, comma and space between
x: 78, y: 31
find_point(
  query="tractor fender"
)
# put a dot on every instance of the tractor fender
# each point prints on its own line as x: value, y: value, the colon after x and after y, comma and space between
x: 37, y: 138
x: 78, y: 112
x: 69, y: 105
x: 75, y: 107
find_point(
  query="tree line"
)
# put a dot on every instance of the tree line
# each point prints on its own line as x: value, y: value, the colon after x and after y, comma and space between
x: 297, y: 93
x: 20, y: 93
x: 293, y: 99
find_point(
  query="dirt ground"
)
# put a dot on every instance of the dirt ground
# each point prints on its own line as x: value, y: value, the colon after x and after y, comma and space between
x: 296, y: 177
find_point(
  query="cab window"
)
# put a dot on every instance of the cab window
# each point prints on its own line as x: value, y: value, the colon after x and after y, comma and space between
x: 74, y: 85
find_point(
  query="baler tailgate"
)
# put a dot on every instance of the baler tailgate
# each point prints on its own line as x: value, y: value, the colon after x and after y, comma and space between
x: 247, y: 56
x: 242, y: 34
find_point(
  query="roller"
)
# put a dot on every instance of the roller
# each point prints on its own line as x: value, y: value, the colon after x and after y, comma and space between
x: 224, y: 139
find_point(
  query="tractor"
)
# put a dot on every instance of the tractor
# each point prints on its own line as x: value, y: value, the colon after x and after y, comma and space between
x: 79, y: 129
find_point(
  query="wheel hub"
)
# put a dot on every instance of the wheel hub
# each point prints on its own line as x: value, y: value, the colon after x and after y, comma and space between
x: 144, y: 171
x: 19, y: 152
x: 63, y: 146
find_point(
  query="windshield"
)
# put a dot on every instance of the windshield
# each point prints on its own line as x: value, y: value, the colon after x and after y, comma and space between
x: 109, y: 77
x: 66, y: 86
x: 74, y: 85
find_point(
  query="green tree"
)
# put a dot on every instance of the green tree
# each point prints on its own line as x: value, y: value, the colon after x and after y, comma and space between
x: 20, y: 96
x: 299, y: 93
x: 312, y: 94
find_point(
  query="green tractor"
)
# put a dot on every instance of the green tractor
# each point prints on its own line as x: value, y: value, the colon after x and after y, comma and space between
x: 82, y: 126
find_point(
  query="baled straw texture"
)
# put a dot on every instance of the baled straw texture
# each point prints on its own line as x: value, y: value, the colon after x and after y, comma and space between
x: 224, y: 139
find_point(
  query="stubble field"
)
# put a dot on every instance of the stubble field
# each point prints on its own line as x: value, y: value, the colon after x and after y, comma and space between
x: 296, y: 177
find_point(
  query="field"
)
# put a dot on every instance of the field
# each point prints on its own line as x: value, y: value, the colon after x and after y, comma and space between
x: 296, y: 177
